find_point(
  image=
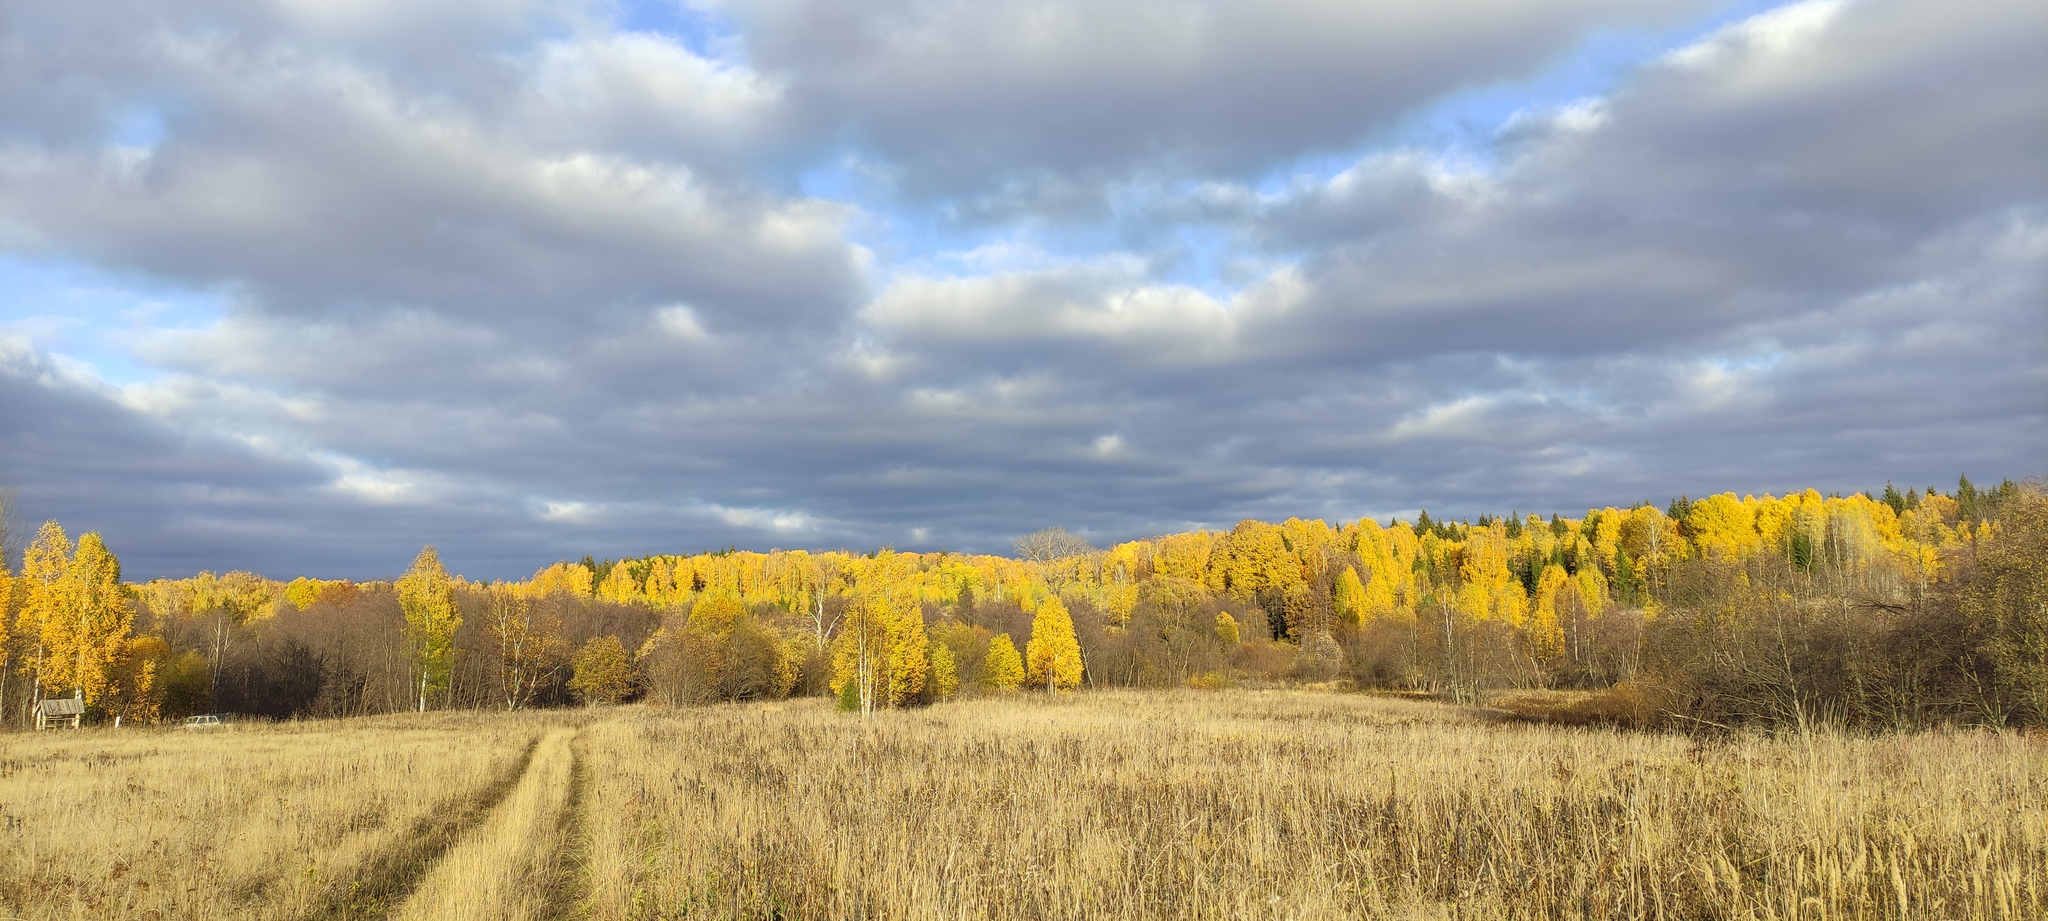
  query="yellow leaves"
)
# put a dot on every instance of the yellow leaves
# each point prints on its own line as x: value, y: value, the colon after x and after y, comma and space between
x: 79, y: 609
x: 882, y: 651
x: 1183, y: 556
x: 8, y: 602
x: 428, y: 601
x: 1120, y: 599
x: 1052, y: 659
x: 1546, y: 630
x: 602, y: 672
x: 1227, y: 629
x: 909, y: 661
x: 1724, y: 527
x: 715, y: 613
x: 789, y: 668
x: 945, y: 680
x: 621, y: 586
x: 1350, y: 598
x: 302, y: 592
x: 1257, y: 558
x: 564, y: 578
x: 1003, y: 667
x: 1490, y: 591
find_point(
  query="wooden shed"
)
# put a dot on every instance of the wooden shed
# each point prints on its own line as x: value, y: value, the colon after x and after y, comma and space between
x: 55, y: 712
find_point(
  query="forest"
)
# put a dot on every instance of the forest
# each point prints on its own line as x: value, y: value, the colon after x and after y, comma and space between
x: 1881, y: 610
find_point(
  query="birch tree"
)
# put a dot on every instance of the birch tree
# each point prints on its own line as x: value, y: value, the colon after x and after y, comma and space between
x: 428, y: 600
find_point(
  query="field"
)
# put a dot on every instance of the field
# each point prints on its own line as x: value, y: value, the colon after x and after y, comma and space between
x: 1268, y: 804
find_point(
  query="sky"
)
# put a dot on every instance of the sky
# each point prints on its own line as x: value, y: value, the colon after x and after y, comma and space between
x: 297, y: 287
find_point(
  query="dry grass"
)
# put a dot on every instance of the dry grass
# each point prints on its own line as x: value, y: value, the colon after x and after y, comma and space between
x: 1287, y: 804
x: 288, y: 821
x: 1274, y: 804
x: 511, y: 868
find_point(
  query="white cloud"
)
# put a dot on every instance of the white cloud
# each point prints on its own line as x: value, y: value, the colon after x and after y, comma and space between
x: 494, y: 278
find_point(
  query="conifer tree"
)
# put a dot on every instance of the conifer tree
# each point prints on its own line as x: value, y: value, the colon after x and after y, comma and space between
x: 1053, y: 657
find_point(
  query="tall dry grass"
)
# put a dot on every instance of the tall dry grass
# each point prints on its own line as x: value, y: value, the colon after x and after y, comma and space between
x: 510, y: 868
x: 1295, y: 805
x: 1281, y: 804
x: 284, y: 821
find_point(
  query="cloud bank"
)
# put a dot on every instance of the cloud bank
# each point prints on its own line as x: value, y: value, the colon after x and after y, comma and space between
x: 529, y: 282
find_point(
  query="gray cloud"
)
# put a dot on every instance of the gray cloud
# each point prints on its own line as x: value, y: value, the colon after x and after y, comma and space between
x: 520, y: 287
x: 1019, y: 98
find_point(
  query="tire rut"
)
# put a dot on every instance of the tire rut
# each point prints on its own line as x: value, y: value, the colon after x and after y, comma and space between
x: 383, y: 882
x: 567, y: 888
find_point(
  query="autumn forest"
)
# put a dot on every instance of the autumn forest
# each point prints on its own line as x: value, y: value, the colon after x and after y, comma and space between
x: 1878, y: 610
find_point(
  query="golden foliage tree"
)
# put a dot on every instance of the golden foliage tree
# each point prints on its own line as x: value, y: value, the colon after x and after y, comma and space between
x: 1002, y: 668
x: 9, y: 602
x: 602, y: 671
x: 85, y: 622
x: 45, y: 594
x: 945, y: 681
x: 881, y: 652
x: 1053, y: 657
x: 428, y: 600
x: 1349, y: 598
x: 529, y: 645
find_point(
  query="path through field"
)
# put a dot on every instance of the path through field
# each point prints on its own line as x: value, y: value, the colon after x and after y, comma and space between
x: 1099, y: 805
x: 512, y: 854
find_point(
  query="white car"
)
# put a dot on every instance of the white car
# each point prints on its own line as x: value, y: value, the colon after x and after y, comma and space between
x: 208, y: 721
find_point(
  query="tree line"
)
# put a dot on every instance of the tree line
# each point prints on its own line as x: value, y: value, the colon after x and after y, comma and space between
x: 1880, y: 609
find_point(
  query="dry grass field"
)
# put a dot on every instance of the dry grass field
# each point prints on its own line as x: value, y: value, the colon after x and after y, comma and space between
x: 1270, y: 804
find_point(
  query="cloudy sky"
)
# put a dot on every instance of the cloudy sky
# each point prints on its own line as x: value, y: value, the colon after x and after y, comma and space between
x: 298, y: 286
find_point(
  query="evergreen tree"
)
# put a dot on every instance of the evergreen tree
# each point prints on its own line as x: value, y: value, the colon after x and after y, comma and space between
x: 1893, y: 499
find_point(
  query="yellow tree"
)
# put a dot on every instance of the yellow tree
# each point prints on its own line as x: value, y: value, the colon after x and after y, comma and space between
x: 945, y: 674
x: 1053, y: 657
x: 9, y: 602
x: 45, y: 594
x: 1003, y: 668
x: 1350, y: 598
x: 908, y: 663
x: 428, y: 600
x: 1490, y: 590
x: 1723, y: 528
x: 881, y: 650
x: 85, y: 632
x: 1226, y: 629
x: 602, y: 672
x: 1546, y: 632
x: 529, y: 644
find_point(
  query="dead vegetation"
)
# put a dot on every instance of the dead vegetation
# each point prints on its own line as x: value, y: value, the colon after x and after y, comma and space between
x: 1122, y: 804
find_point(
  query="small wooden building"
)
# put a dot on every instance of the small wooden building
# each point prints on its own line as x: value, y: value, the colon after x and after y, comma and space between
x: 55, y: 712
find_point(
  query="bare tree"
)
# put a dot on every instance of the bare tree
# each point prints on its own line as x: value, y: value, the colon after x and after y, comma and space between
x: 1044, y: 546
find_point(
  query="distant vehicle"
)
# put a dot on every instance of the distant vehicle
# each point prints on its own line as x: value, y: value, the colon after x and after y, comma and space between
x: 207, y: 721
